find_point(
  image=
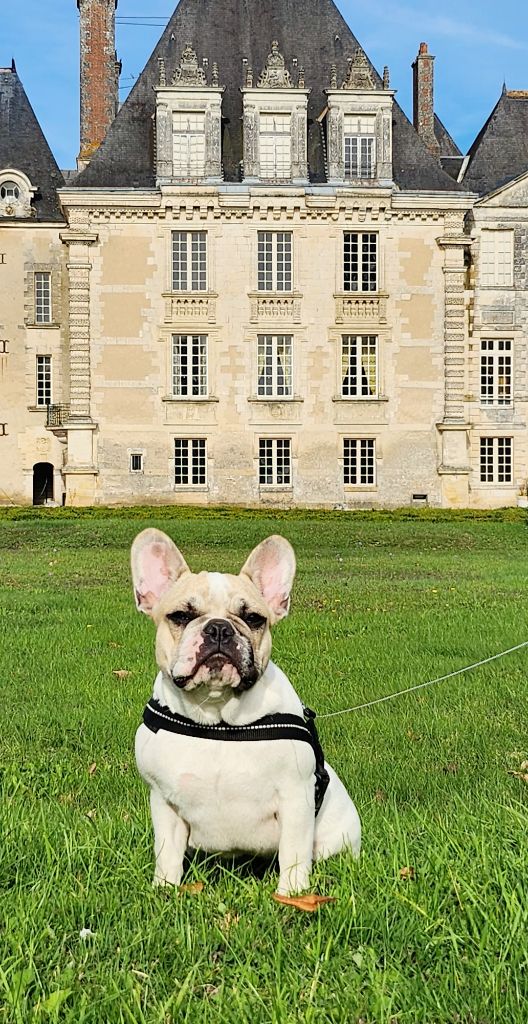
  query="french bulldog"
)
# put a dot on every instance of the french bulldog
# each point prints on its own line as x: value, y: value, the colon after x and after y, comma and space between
x: 213, y: 647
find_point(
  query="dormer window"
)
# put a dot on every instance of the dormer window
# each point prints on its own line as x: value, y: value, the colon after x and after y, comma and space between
x: 188, y: 145
x: 359, y: 146
x: 275, y: 146
x: 16, y: 193
x: 275, y: 123
x: 188, y: 123
x: 9, y: 190
x: 359, y: 126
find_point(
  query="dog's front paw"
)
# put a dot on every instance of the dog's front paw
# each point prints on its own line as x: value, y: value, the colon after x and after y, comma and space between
x: 296, y: 880
x: 162, y: 882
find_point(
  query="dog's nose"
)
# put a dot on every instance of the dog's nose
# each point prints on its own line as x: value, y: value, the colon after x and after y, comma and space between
x: 220, y: 631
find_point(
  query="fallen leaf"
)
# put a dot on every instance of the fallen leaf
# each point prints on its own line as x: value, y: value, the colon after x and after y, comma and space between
x: 524, y: 766
x: 191, y: 887
x: 91, y: 814
x: 380, y: 797
x: 92, y: 769
x: 310, y: 901
x: 407, y: 873
x: 520, y: 775
x: 451, y: 768
x: 121, y: 673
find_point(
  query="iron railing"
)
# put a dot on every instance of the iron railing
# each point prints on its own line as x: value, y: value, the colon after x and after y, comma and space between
x: 57, y: 415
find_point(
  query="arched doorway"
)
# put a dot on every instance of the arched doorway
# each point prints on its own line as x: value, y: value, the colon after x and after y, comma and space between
x: 42, y: 483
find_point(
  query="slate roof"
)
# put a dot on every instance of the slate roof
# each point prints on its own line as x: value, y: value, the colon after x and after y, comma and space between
x: 448, y: 146
x: 24, y: 148
x: 500, y: 151
x: 226, y: 32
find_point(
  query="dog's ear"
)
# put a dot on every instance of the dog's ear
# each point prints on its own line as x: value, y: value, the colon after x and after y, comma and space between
x: 271, y: 567
x: 156, y: 565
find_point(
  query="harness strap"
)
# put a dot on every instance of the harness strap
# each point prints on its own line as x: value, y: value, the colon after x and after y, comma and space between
x: 270, y: 727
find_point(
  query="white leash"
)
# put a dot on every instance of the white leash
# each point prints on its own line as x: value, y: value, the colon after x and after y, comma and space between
x: 421, y: 686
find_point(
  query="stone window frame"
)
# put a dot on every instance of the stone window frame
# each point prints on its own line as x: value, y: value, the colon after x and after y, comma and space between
x: 340, y: 263
x: 298, y: 337
x: 383, y: 334
x: 495, y: 438
x: 134, y: 454
x: 189, y: 231
x: 275, y: 290
x: 274, y: 441
x: 30, y: 312
x: 493, y: 356
x: 43, y: 380
x: 190, y: 438
x: 368, y: 438
x: 361, y: 337
x: 288, y: 369
x: 488, y: 232
x: 203, y: 366
x: 189, y: 328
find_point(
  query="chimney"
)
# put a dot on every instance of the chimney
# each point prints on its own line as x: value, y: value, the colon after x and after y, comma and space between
x: 423, y: 100
x: 100, y: 70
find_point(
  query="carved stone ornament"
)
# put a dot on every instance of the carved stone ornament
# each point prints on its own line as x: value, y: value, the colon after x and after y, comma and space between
x: 189, y: 72
x: 359, y: 75
x: 275, y: 74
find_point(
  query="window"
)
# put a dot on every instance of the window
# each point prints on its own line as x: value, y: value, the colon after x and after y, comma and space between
x: 189, y: 261
x: 496, y: 258
x: 360, y: 147
x: 359, y: 369
x: 275, y: 461
x: 496, y: 460
x: 189, y: 461
x: 275, y: 358
x: 189, y: 365
x: 43, y: 380
x: 9, y: 190
x: 359, y: 467
x: 274, y: 261
x: 275, y: 146
x: 43, y: 298
x: 136, y: 462
x: 496, y: 371
x: 360, y: 262
x: 188, y: 145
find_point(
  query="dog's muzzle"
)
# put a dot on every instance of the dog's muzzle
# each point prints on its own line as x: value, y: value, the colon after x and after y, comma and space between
x: 221, y: 644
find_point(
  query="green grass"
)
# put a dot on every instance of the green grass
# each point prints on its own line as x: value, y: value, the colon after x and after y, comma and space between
x: 381, y: 602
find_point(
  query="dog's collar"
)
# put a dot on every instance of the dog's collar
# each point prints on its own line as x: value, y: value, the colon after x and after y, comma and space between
x: 270, y: 727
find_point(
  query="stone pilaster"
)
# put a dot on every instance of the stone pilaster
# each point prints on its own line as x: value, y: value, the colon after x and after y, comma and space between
x: 454, y: 428
x: 79, y: 470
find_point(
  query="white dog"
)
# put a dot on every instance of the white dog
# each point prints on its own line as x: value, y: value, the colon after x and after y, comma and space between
x: 212, y: 786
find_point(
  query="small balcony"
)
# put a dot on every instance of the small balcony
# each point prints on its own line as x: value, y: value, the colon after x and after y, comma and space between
x: 57, y: 415
x: 360, y: 306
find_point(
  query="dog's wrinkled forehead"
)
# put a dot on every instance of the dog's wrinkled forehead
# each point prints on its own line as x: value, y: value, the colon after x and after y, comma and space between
x: 214, y: 594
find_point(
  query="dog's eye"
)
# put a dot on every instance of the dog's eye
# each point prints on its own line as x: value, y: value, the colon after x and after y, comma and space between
x: 253, y: 620
x: 181, y: 618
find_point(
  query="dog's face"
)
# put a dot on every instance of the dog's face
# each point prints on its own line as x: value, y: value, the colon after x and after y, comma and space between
x: 213, y: 629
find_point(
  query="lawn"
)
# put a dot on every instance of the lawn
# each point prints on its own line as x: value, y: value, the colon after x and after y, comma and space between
x: 430, y: 927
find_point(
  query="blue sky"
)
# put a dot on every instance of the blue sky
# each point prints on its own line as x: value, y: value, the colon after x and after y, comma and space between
x: 477, y: 45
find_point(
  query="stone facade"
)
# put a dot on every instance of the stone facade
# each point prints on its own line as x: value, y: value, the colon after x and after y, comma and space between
x: 24, y: 438
x: 314, y: 313
x: 132, y: 315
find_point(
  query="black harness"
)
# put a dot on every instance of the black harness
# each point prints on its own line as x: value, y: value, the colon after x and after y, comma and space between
x: 271, y: 727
